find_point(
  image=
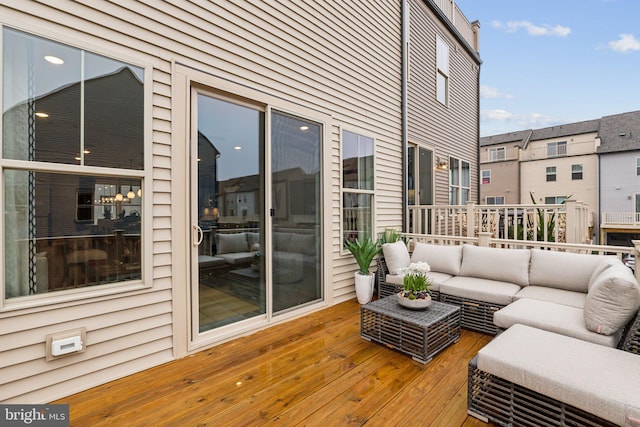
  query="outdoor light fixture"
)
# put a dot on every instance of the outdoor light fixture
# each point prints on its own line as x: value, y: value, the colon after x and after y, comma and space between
x: 441, y: 164
x: 54, y: 60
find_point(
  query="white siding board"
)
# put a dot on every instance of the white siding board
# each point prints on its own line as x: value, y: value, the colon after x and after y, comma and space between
x: 339, y: 58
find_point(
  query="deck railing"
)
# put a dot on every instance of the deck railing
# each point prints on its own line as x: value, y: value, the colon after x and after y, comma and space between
x: 621, y: 218
x: 565, y: 223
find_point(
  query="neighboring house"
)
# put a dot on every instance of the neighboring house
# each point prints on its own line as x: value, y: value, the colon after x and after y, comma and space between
x: 619, y: 153
x: 500, y: 167
x: 443, y: 106
x: 179, y: 175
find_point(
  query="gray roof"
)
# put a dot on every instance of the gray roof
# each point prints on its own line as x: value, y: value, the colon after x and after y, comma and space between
x: 620, y: 132
x: 568, y: 129
x: 520, y: 137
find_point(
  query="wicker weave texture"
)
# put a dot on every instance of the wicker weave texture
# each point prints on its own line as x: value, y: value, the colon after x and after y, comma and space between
x: 508, y: 404
x: 476, y: 315
x: 631, y: 341
x: 420, y: 334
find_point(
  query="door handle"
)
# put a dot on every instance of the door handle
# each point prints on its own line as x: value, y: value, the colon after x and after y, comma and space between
x: 198, y: 235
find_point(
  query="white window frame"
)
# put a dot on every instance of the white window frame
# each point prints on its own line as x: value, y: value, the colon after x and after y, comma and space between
x: 442, y: 71
x: 482, y: 176
x: 145, y: 175
x: 343, y: 190
x: 495, y: 200
x: 494, y: 154
x: 581, y: 172
x: 550, y: 173
x: 558, y: 200
x: 458, y: 188
x: 557, y: 149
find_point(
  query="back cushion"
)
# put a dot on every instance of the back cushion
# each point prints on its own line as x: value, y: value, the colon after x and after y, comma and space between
x: 229, y: 243
x: 445, y: 259
x: 396, y: 255
x: 563, y: 270
x: 612, y: 301
x: 505, y: 265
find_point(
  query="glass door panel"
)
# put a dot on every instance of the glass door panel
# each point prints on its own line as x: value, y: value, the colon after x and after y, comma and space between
x: 230, y: 205
x: 296, y: 211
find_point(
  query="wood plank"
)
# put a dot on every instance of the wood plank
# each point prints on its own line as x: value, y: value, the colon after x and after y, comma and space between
x: 310, y: 371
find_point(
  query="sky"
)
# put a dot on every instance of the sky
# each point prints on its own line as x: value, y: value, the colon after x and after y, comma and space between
x: 550, y: 62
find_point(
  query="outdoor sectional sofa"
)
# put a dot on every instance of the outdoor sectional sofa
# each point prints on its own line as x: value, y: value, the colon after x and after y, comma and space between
x: 571, y: 328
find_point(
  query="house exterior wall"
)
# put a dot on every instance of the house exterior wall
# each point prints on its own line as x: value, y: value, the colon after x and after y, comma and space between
x: 450, y: 130
x: 619, y: 184
x: 505, y: 176
x: 341, y: 60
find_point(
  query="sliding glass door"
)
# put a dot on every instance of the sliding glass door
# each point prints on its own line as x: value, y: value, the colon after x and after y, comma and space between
x: 255, y: 212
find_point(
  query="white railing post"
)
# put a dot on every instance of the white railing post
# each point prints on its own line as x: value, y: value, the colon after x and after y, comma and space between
x: 570, y: 222
x: 484, y: 238
x: 471, y: 219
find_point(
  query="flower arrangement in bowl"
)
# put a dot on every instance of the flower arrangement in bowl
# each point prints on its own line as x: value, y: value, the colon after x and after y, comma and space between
x: 416, y: 293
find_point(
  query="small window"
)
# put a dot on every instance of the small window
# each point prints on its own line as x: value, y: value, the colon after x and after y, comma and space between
x: 496, y: 154
x: 557, y: 149
x: 442, y: 66
x: 637, y: 166
x: 576, y: 172
x: 357, y: 186
x: 486, y: 176
x: 495, y: 200
x: 551, y: 173
x: 554, y: 200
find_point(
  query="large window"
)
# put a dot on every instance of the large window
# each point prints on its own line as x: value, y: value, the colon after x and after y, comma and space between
x: 442, y: 75
x: 357, y: 185
x: 74, y: 223
x: 459, y: 181
x: 551, y: 173
x: 557, y: 149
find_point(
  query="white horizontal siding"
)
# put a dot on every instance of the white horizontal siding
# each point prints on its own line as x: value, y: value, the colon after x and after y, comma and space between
x: 340, y: 58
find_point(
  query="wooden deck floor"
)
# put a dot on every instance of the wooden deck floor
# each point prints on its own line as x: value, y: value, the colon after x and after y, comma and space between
x: 312, y: 371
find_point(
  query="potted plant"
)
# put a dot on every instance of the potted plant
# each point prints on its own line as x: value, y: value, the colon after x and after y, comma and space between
x: 363, y: 251
x: 416, y: 293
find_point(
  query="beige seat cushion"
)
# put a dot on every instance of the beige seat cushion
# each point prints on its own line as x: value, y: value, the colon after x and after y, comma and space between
x: 559, y: 296
x: 503, y: 265
x: 599, y: 380
x: 441, y: 258
x: 558, y: 318
x: 490, y: 291
x: 206, y: 261
x: 396, y: 255
x: 612, y: 301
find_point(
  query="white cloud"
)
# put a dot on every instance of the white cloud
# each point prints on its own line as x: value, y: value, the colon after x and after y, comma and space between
x: 532, y: 29
x: 489, y: 92
x: 519, y: 121
x: 626, y: 43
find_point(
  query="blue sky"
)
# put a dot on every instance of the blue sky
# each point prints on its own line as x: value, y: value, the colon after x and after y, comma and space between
x: 548, y: 62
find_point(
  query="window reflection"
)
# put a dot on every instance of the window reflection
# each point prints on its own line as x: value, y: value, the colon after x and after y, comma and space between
x: 87, y: 231
x: 82, y: 108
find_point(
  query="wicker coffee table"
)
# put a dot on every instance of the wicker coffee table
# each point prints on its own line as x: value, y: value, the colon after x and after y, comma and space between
x: 420, y: 333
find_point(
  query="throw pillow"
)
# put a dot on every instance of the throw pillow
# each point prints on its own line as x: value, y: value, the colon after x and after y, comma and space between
x: 396, y: 255
x: 612, y: 301
x: 229, y: 243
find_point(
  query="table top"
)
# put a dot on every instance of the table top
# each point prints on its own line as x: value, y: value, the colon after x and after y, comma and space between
x: 435, y: 312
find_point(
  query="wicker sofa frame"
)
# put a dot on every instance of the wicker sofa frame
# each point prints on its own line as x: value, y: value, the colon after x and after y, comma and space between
x: 506, y: 404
